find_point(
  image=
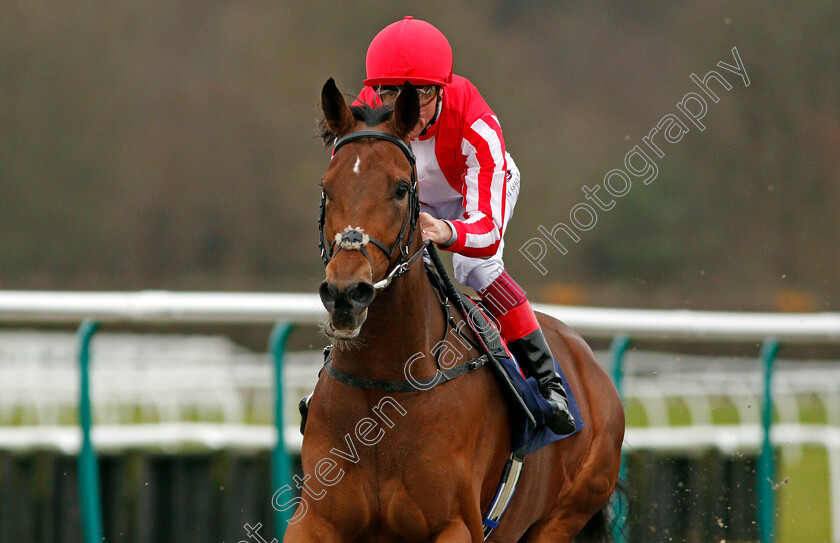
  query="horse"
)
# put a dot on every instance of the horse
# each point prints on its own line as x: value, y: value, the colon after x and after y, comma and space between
x: 423, y: 464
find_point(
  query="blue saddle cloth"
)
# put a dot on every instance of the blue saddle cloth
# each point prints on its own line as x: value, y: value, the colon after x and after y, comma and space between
x: 522, y: 433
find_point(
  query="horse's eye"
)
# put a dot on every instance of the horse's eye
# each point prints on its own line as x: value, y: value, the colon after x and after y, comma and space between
x: 402, y: 190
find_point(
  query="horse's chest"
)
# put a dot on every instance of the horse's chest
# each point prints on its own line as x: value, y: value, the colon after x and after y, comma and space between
x: 403, y: 482
x: 413, y: 501
x: 411, y: 471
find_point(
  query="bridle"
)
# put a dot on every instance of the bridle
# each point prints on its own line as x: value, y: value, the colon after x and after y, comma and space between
x: 354, y: 237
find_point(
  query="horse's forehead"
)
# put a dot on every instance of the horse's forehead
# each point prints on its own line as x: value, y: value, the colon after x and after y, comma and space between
x: 368, y: 160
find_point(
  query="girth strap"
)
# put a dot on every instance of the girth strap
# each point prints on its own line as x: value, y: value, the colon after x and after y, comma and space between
x: 403, y: 386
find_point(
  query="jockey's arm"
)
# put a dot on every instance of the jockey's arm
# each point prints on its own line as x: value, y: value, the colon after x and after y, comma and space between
x: 479, y: 233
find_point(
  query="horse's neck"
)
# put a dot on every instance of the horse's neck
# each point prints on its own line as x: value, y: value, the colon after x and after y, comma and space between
x: 403, y: 320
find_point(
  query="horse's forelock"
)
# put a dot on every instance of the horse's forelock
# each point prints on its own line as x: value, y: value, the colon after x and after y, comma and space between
x: 370, y: 115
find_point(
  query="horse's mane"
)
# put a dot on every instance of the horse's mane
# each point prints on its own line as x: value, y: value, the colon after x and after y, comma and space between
x: 370, y: 115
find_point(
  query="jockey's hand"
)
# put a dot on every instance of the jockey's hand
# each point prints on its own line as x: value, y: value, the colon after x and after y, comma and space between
x: 434, y: 229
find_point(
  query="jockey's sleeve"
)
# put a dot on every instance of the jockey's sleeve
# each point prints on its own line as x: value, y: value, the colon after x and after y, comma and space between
x: 483, y: 148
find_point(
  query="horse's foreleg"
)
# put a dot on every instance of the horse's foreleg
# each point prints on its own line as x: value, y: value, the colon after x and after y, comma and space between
x: 556, y: 530
x: 311, y: 529
x: 456, y: 532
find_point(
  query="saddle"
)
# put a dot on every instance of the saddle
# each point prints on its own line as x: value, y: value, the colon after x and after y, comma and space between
x: 529, y: 407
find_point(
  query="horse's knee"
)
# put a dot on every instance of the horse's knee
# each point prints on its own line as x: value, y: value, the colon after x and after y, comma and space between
x: 557, y: 530
x: 455, y: 533
x: 312, y: 528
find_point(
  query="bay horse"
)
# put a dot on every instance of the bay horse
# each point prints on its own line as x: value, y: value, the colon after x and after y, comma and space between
x: 424, y: 465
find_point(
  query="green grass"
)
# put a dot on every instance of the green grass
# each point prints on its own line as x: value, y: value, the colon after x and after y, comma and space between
x: 811, y: 411
x: 724, y: 411
x: 803, y: 502
x: 634, y: 414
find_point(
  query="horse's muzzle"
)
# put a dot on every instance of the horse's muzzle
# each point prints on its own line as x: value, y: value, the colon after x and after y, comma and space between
x: 347, y: 306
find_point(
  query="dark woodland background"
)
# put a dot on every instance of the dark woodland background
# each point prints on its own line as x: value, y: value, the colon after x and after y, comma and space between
x: 172, y: 145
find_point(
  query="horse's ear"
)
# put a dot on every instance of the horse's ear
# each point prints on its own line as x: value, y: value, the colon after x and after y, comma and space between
x: 406, y: 111
x: 337, y: 114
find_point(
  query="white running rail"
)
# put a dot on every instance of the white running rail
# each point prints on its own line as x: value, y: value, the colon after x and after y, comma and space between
x: 162, y: 307
x: 214, y: 307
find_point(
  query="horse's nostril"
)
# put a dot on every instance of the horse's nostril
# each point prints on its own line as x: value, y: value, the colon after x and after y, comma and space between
x: 361, y: 294
x: 328, y: 294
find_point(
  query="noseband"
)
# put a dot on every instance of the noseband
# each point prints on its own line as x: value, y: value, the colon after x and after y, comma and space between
x: 354, y: 237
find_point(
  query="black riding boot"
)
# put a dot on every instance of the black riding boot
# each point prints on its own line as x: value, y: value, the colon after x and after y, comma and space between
x: 533, y: 353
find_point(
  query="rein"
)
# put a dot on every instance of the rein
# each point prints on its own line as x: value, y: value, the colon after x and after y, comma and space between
x: 354, y: 237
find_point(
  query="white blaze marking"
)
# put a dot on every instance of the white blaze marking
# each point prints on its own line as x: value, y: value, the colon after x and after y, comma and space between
x: 356, y: 165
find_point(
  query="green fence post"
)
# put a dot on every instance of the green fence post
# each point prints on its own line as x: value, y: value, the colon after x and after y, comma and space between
x: 766, y: 461
x: 89, y: 499
x: 619, y: 346
x: 281, y: 464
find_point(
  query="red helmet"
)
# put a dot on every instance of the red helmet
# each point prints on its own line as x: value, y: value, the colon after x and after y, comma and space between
x: 409, y: 50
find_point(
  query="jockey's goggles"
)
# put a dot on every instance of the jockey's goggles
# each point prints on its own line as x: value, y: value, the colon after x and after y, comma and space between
x: 389, y: 93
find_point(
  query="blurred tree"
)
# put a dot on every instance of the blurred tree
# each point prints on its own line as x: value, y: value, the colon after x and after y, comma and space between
x: 171, y: 145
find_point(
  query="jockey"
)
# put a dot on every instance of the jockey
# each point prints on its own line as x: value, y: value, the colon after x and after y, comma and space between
x: 468, y: 186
